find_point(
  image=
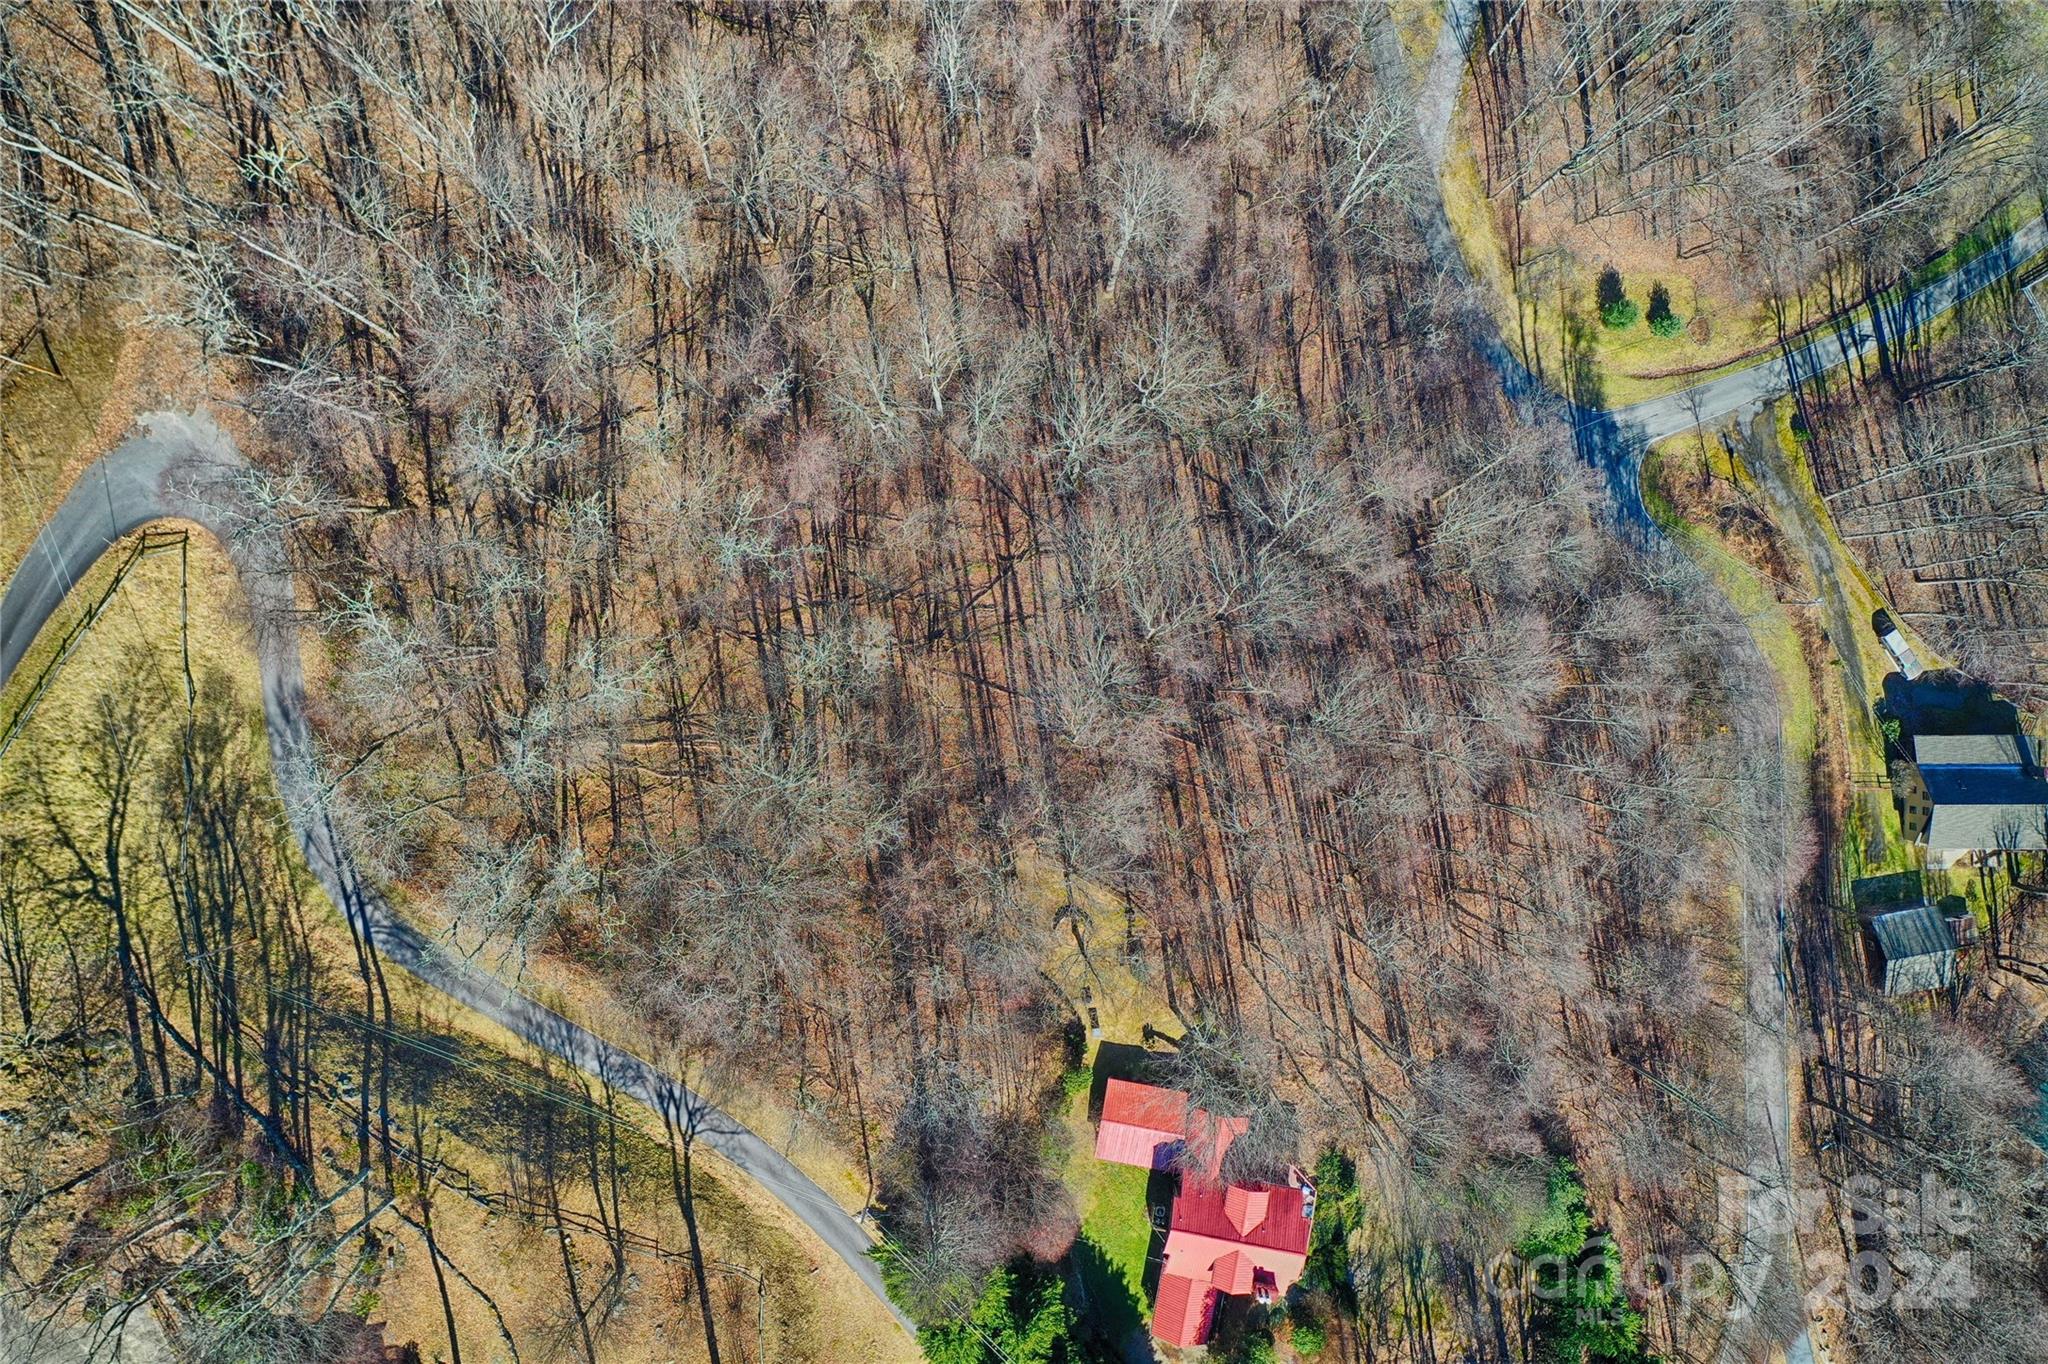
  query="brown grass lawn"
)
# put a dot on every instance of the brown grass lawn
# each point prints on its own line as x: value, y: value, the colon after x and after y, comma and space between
x: 1087, y: 961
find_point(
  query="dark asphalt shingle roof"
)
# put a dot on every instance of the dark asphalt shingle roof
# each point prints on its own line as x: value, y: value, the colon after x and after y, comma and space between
x: 1986, y: 808
x: 1984, y: 791
x: 1973, y: 750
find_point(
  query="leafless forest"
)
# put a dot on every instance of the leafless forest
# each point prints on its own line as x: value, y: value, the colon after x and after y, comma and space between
x: 757, y: 469
x: 1824, y: 151
x: 1933, y: 458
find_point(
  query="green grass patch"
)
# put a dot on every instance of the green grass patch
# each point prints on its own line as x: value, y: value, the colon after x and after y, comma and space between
x: 1888, y: 889
x: 1110, y: 1254
x: 1871, y: 816
x: 1769, y: 621
x: 1116, y: 1220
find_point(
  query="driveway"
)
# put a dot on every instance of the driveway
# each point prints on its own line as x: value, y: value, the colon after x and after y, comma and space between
x: 1614, y: 441
x: 1653, y: 419
x: 183, y: 465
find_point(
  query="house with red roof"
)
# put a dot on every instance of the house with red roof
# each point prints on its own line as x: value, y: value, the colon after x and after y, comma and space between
x: 1231, y: 1241
x: 1223, y: 1240
x: 1149, y: 1126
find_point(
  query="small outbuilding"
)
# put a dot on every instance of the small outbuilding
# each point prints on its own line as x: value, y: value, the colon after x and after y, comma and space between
x: 1917, y: 949
x: 1153, y: 1127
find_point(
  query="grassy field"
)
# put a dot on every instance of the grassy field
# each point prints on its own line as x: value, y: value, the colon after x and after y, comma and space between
x: 1088, y: 961
x: 45, y: 418
x: 1552, y: 311
x: 1418, y: 23
x: 1116, y: 1229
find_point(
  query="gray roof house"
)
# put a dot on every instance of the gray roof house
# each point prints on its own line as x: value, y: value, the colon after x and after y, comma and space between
x: 1973, y: 793
x: 1918, y: 948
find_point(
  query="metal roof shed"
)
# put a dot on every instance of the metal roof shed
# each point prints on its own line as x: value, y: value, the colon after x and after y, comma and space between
x: 1918, y: 948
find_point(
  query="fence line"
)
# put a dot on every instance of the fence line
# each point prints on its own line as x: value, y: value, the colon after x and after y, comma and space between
x: 149, y: 543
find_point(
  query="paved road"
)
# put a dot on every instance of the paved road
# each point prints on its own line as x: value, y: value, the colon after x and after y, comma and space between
x: 1615, y: 439
x: 1653, y: 419
x: 183, y: 466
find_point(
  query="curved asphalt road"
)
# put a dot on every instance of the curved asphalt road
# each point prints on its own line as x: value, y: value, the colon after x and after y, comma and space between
x: 1653, y: 419
x: 1615, y: 439
x: 164, y: 471
x: 184, y: 466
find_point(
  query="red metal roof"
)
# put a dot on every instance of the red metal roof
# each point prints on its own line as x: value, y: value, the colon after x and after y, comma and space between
x: 1147, y: 1106
x: 1245, y: 1206
x: 1206, y: 1212
x: 1140, y: 1146
x: 1181, y: 1316
x: 1248, y: 1238
x: 1139, y: 1123
x: 1232, y: 1273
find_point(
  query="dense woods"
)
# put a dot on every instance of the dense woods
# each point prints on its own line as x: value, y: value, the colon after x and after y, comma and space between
x: 1931, y: 457
x: 758, y: 470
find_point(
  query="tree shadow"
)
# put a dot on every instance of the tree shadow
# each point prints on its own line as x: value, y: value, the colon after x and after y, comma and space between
x: 1610, y: 446
x: 496, y: 1102
x: 1117, y: 1317
x: 1875, y: 894
x: 1615, y: 449
x: 1946, y: 703
x: 1580, y: 377
x: 1160, y: 1187
x: 1114, y: 1315
x: 1119, y: 1061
